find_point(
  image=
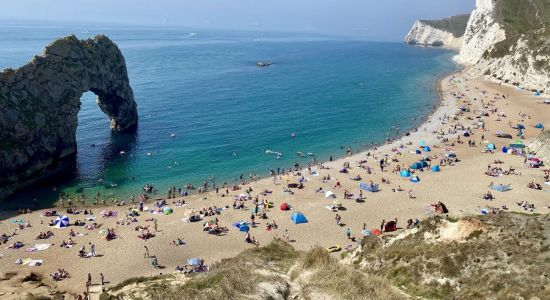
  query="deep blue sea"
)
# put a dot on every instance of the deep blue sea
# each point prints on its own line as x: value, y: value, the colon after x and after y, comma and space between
x: 204, y: 87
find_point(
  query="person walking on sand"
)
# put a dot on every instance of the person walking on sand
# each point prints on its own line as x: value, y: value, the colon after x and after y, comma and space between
x: 348, y: 233
x: 382, y: 225
x: 102, y: 282
x: 338, y: 219
x: 146, y: 254
x: 92, y: 249
x: 155, y: 222
x: 286, y: 235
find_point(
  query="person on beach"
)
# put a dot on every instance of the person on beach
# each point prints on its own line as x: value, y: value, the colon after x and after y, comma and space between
x: 338, y: 219
x: 92, y: 249
x: 348, y: 233
x: 286, y: 236
x: 146, y: 254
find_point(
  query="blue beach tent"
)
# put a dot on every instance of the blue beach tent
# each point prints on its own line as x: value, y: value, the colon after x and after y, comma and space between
x: 244, y: 228
x: 369, y: 188
x: 539, y: 126
x: 418, y: 151
x: 427, y: 149
x: 298, y: 218
x: 194, y: 261
x: 405, y: 173
x: 415, y: 179
x: 436, y: 168
x: 501, y: 187
x: 491, y: 147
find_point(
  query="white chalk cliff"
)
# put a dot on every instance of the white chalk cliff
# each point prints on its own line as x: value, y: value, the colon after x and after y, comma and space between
x: 490, y: 51
x: 445, y: 33
x: 504, y: 40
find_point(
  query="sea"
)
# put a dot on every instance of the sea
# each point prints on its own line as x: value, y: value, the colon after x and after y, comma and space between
x: 207, y: 112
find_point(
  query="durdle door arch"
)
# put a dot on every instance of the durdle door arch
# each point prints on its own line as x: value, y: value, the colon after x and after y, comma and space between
x: 40, y: 101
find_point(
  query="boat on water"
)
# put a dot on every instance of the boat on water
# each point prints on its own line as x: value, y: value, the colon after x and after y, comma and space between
x: 263, y: 64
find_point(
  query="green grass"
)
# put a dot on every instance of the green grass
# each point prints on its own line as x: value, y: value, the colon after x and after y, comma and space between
x: 522, y: 17
x: 455, y: 24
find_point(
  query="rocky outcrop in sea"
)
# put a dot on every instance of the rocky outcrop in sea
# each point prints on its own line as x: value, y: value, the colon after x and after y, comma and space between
x: 39, y: 104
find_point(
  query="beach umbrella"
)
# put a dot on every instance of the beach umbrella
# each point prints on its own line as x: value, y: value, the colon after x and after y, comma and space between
x: 415, y: 166
x: 491, y: 147
x: 539, y: 126
x: 61, y: 222
x: 427, y: 149
x: 517, y: 146
x: 244, y: 228
x: 376, y: 232
x: 337, y: 203
x: 505, y: 149
x: 521, y: 126
x: 422, y: 143
x: 366, y: 232
x: 194, y: 261
x: 167, y: 211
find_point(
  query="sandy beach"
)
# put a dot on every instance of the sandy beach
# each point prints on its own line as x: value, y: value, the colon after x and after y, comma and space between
x: 460, y: 187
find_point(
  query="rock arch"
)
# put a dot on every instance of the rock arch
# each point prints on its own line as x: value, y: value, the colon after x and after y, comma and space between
x: 39, y: 104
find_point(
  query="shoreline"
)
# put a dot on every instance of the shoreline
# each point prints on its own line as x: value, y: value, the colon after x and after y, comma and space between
x: 6, y: 211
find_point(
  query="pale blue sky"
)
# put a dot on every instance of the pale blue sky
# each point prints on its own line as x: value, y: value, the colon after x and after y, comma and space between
x: 370, y: 19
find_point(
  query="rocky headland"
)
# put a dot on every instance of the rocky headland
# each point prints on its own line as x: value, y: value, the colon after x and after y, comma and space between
x: 446, y: 33
x: 504, y: 40
x: 39, y: 104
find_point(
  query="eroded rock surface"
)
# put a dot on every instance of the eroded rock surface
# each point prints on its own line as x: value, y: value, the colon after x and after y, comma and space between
x: 39, y: 104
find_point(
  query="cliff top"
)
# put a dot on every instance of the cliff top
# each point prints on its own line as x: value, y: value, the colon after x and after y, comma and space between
x: 455, y: 24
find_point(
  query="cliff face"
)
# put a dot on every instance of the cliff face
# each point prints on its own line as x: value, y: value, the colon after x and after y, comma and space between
x: 541, y: 147
x: 39, y: 103
x: 446, y: 33
x: 504, y: 40
x: 509, y: 41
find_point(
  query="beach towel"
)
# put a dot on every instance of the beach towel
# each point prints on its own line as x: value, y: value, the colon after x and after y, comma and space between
x: 41, y: 247
x: 35, y: 263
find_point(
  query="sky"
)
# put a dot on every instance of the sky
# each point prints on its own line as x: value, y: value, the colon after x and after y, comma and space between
x: 382, y: 20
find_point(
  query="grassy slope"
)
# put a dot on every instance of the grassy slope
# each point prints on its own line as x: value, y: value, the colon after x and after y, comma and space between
x: 278, y: 265
x: 523, y: 17
x: 510, y: 259
x: 455, y: 24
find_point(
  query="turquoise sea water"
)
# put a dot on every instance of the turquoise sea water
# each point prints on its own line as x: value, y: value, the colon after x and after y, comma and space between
x: 204, y: 87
